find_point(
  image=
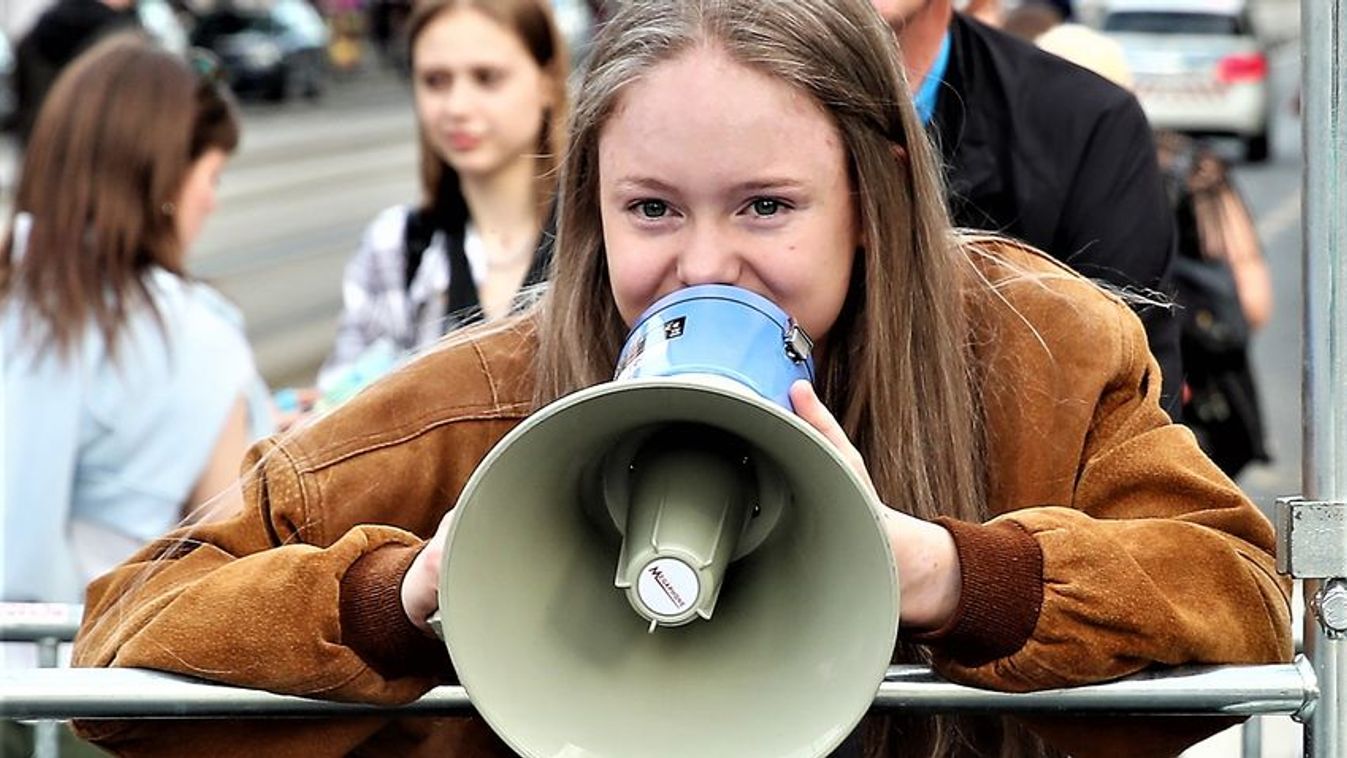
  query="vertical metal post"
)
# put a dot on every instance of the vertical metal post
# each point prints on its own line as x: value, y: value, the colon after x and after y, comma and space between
x: 47, y: 734
x: 1324, y: 398
x: 1251, y: 738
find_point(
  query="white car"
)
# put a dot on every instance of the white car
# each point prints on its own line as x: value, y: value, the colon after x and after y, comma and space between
x: 576, y: 23
x: 161, y: 21
x: 1199, y: 67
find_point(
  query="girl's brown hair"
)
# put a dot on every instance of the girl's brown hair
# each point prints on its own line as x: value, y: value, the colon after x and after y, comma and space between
x: 900, y: 372
x: 531, y: 21
x: 109, y: 155
x: 902, y: 333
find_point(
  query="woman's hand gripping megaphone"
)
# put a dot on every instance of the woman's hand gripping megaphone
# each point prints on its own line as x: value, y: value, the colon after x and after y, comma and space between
x: 420, y: 587
x: 928, y: 564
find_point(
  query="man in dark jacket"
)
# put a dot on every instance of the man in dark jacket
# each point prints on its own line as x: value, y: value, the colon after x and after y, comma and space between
x: 60, y: 34
x: 1044, y: 151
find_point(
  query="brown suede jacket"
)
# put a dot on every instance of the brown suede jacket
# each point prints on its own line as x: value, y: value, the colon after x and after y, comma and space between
x: 1115, y: 545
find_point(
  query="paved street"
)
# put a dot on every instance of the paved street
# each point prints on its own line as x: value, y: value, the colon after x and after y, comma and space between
x: 293, y: 203
x: 1273, y: 191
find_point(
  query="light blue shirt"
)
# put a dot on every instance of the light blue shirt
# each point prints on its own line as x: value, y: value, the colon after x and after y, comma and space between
x: 926, y: 95
x: 119, y: 446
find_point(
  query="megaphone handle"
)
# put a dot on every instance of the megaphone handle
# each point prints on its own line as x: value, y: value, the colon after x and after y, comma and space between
x: 434, y: 621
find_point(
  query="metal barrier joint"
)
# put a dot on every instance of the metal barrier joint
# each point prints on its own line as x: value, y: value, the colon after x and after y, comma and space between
x: 1310, y: 536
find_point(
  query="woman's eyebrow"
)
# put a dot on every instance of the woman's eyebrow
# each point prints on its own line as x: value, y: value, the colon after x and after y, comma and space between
x: 651, y: 184
x: 464, y: 63
x: 643, y: 183
x: 762, y: 185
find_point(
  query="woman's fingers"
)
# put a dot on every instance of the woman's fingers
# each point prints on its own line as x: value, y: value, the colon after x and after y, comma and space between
x: 420, y: 586
x: 816, y: 414
x: 812, y: 410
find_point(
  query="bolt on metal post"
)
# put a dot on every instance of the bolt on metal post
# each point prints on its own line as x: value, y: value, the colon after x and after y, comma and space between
x: 1329, y: 605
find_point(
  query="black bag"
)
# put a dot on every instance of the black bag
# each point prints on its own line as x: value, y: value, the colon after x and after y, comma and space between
x: 1221, y: 406
x: 1221, y: 403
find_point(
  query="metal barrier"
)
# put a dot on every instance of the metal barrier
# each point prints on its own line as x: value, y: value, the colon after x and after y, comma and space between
x: 1311, y: 531
x: 50, y: 693
x: 1287, y: 689
x: 46, y: 625
x: 47, y: 694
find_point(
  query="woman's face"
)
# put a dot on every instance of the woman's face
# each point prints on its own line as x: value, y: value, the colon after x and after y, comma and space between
x: 197, y: 200
x: 713, y: 173
x: 480, y: 97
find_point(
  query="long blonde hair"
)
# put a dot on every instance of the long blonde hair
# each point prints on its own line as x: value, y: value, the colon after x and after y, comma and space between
x: 903, y: 331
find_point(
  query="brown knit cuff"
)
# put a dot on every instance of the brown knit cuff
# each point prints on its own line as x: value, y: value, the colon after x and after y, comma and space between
x: 373, y: 623
x: 1001, y: 592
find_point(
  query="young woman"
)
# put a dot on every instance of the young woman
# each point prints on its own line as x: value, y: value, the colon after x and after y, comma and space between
x: 1050, y: 525
x: 127, y: 386
x: 489, y: 80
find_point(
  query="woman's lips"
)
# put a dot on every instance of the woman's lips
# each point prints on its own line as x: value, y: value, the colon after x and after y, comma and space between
x: 462, y: 142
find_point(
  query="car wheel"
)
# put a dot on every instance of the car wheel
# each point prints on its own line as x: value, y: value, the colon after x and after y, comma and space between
x: 1256, y: 148
x: 278, y: 88
x: 313, y: 81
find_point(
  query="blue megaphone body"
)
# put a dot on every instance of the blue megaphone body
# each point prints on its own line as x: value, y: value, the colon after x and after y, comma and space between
x: 716, y: 330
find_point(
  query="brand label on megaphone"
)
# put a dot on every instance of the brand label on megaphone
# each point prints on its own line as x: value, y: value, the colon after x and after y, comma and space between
x: 667, y: 586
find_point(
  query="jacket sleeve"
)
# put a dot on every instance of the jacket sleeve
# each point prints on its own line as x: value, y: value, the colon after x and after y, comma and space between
x: 297, y: 614
x: 297, y: 589
x: 1158, y: 560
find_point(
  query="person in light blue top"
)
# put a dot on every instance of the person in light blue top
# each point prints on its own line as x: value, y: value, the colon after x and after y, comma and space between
x: 130, y: 391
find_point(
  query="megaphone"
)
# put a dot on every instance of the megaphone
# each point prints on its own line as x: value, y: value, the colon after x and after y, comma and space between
x: 673, y: 563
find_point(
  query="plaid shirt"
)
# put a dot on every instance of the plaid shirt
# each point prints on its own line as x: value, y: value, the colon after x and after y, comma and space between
x: 379, y: 311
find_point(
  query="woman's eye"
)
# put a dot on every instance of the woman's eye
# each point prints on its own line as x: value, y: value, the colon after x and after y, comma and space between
x: 489, y: 77
x: 766, y: 206
x: 435, y: 80
x: 653, y: 208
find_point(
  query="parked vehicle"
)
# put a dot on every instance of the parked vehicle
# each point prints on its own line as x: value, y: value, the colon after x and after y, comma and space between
x: 161, y: 21
x: 277, y: 50
x: 1199, y: 66
x: 7, y: 100
x: 576, y: 22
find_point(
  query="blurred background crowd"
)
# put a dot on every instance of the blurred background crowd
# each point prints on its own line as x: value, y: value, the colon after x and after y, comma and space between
x: 329, y: 134
x: 331, y: 159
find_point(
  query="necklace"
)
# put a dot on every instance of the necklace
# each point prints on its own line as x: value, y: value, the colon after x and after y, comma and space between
x: 522, y: 254
x: 497, y: 258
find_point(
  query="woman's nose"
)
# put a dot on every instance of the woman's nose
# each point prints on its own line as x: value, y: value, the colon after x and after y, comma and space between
x: 709, y: 256
x: 458, y: 100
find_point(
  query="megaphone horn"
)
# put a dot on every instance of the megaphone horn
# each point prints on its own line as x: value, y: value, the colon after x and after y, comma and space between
x: 673, y: 563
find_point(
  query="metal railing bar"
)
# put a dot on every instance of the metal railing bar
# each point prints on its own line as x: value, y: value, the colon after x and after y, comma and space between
x: 1284, y: 689
x: 35, y: 622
